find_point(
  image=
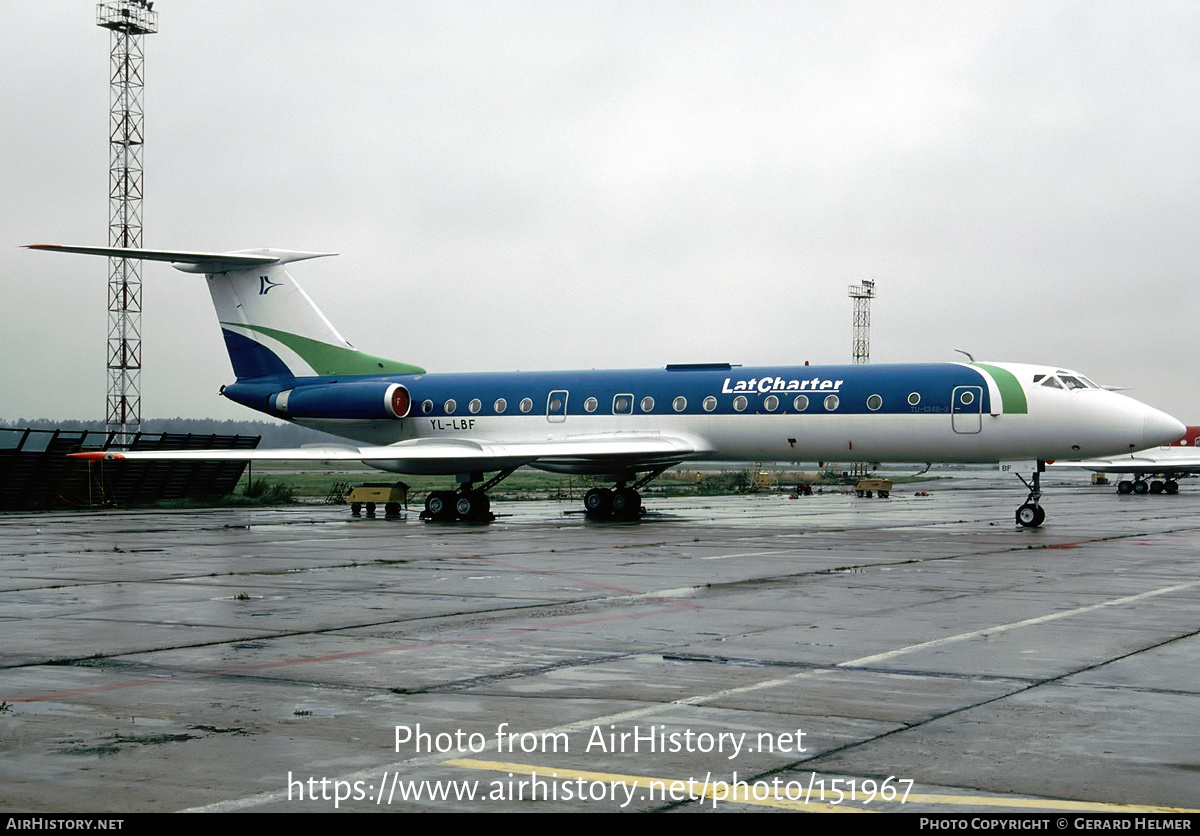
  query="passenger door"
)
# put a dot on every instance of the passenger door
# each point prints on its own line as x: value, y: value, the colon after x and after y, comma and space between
x: 966, y: 409
x: 556, y: 406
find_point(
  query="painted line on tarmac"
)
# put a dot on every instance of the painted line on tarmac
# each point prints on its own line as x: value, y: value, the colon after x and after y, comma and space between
x: 712, y: 791
x: 367, y: 775
x: 743, y: 794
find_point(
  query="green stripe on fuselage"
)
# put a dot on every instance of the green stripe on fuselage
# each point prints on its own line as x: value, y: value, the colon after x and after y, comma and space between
x: 1012, y: 396
x: 327, y: 359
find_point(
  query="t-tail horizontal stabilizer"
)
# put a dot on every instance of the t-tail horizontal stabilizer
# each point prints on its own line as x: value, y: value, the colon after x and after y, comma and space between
x: 271, y: 327
x: 190, y: 262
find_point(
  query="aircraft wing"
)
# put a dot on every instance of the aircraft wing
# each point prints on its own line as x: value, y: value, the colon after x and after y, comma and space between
x: 452, y: 454
x: 1179, y: 458
x: 1144, y: 462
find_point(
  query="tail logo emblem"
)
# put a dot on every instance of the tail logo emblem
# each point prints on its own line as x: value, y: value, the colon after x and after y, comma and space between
x: 265, y: 285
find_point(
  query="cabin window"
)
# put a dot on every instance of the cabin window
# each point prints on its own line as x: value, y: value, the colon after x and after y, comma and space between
x: 710, y: 403
x: 874, y: 402
x: 739, y: 403
x: 556, y: 404
x: 622, y: 404
x: 831, y: 402
x: 914, y: 398
x: 526, y: 404
x: 500, y: 405
x: 590, y: 405
x: 801, y: 403
x: 427, y: 407
x: 450, y: 406
x: 771, y: 403
x: 966, y: 397
x: 474, y: 406
x: 679, y: 404
x: 647, y: 404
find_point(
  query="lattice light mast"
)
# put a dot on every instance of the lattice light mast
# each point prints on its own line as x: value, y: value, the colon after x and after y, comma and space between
x: 129, y: 21
x: 861, y: 345
x: 862, y: 295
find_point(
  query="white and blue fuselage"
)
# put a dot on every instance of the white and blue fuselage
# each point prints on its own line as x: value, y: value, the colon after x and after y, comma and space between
x: 945, y: 412
x: 290, y: 362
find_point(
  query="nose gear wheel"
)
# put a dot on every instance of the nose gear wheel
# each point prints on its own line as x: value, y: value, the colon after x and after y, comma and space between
x: 1032, y: 514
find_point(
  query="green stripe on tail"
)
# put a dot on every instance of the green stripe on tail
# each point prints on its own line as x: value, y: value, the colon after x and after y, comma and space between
x: 327, y: 359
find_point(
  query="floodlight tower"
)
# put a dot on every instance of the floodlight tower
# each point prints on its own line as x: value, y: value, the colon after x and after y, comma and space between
x: 129, y: 21
x: 862, y: 294
x: 861, y: 345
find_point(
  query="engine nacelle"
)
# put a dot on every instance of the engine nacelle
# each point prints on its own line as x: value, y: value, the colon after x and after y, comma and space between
x: 355, y: 399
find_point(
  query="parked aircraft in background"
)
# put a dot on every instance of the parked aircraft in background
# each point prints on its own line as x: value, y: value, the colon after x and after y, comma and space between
x: 628, y: 426
x: 1157, y: 470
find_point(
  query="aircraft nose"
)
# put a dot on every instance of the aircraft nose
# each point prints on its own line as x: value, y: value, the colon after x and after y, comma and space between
x: 1160, y: 429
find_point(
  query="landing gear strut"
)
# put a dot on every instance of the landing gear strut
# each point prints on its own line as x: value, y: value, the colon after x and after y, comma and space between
x: 1139, y: 485
x: 1032, y: 514
x: 468, y: 503
x: 623, y: 502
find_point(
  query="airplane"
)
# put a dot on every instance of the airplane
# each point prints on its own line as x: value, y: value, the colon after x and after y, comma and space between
x: 1169, y: 462
x: 626, y: 426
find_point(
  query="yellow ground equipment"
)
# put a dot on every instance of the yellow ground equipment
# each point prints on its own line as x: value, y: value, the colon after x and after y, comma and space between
x: 392, y: 496
x: 868, y: 487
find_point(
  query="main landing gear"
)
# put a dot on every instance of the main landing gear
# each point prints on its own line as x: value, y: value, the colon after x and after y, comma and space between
x: 1141, y: 486
x: 1032, y: 514
x: 468, y: 503
x: 623, y: 502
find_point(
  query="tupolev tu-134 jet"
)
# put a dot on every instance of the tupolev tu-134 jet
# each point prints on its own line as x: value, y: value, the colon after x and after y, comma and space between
x: 627, y: 426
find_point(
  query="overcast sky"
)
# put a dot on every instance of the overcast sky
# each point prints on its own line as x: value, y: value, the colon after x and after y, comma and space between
x: 539, y: 185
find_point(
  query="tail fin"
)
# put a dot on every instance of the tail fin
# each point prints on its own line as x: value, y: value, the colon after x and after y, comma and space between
x: 271, y: 326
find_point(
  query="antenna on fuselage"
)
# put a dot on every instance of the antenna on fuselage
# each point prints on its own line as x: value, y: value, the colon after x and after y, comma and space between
x: 969, y: 357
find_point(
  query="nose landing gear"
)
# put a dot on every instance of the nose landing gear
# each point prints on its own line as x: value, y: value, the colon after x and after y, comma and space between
x: 1032, y: 514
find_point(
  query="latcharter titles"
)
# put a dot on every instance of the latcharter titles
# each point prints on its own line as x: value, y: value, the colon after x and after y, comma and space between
x: 764, y: 385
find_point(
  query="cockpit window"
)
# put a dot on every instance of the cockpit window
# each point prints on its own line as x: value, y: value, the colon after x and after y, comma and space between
x: 1064, y: 379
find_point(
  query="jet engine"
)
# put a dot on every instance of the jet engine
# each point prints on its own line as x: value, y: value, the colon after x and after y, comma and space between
x: 354, y: 399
